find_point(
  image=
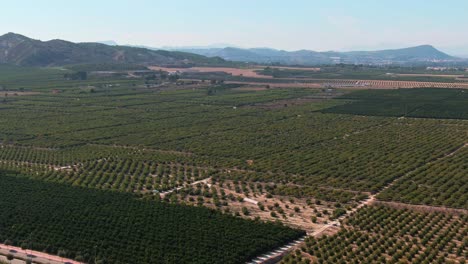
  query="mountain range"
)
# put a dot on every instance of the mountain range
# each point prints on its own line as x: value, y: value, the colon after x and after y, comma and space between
x: 20, y: 50
x: 412, y: 55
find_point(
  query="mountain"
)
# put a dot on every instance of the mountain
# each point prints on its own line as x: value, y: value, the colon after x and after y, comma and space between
x: 418, y: 53
x: 211, y: 46
x: 20, y: 50
x: 108, y: 42
x: 412, y: 55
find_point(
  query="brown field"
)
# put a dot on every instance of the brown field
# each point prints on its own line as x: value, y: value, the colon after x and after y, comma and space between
x: 294, y: 212
x: 293, y: 68
x: 15, y: 93
x: 250, y: 72
x: 247, y: 72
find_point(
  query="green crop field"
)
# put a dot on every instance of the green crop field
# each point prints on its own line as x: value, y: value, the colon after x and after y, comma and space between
x: 364, y: 72
x: 384, y: 235
x: 442, y: 183
x: 162, y: 149
x: 423, y: 103
x: 106, y: 227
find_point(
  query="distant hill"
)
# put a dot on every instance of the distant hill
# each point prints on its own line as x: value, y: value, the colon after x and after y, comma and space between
x: 108, y: 42
x: 20, y: 50
x: 412, y: 55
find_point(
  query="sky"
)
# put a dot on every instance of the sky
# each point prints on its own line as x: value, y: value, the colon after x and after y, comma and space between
x: 282, y: 24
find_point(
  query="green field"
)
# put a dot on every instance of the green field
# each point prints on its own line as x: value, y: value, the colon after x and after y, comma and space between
x: 384, y: 235
x: 422, y: 103
x: 442, y: 183
x: 90, y: 225
x: 124, y: 139
x: 363, y: 72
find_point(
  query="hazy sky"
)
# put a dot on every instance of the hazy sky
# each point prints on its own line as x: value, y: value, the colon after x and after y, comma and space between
x: 282, y: 24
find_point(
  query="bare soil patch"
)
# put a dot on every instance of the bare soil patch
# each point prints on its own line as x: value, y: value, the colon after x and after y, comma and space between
x: 247, y: 72
x: 294, y: 68
x: 302, y: 213
x: 16, y: 93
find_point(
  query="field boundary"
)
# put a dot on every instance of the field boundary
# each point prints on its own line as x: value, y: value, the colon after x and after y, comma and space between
x: 422, y: 208
x: 275, y: 255
x: 372, y: 200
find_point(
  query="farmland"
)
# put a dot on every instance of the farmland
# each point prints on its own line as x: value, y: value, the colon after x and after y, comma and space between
x: 430, y: 103
x: 117, y: 228
x: 249, y: 157
x: 357, y: 77
x: 364, y: 72
x: 385, y: 235
x: 441, y: 183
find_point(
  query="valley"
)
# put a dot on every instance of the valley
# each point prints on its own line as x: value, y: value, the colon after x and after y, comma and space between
x: 126, y: 154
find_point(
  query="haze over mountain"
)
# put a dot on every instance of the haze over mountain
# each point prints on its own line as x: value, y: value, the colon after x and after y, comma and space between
x: 423, y: 54
x: 412, y: 55
x: 108, y: 42
x: 20, y: 50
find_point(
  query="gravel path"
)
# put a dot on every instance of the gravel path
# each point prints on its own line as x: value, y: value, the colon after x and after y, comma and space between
x: 36, y: 256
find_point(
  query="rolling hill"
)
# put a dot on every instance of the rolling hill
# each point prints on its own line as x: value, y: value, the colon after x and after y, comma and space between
x: 20, y: 50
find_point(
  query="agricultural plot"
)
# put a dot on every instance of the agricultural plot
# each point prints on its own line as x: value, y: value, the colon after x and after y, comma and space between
x: 303, y: 157
x: 297, y: 145
x: 441, y: 183
x: 362, y: 72
x: 384, y: 235
x: 269, y: 202
x: 424, y: 103
x: 382, y: 84
x: 222, y: 127
x: 73, y: 156
x: 90, y: 225
x: 378, y: 155
x: 130, y: 175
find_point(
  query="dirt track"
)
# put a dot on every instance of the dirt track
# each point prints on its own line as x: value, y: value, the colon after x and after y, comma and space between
x: 38, y: 257
x: 204, y: 181
x: 16, y: 93
x: 424, y: 208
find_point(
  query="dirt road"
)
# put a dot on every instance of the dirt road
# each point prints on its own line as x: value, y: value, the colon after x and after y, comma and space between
x: 276, y: 255
x: 36, y: 256
x: 204, y: 181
